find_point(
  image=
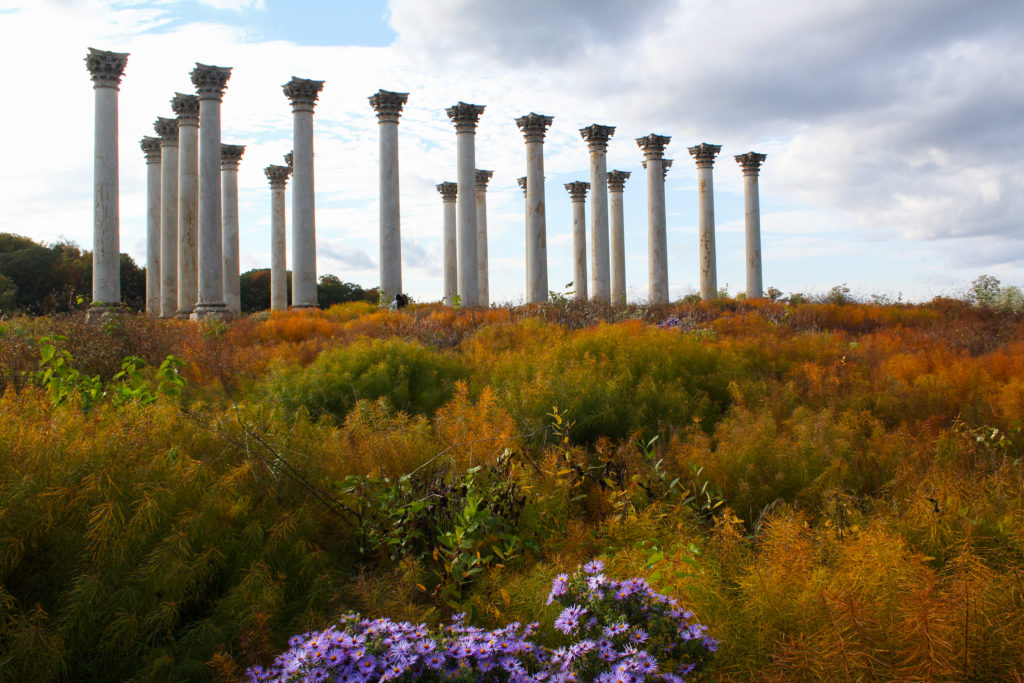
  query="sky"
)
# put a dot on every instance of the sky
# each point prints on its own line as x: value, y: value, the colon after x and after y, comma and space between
x: 894, y: 131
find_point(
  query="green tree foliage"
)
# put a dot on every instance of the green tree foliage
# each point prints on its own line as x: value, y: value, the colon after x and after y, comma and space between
x: 331, y: 291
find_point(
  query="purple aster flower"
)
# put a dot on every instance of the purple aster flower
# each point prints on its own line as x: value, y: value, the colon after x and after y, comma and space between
x: 593, y: 567
x: 569, y: 619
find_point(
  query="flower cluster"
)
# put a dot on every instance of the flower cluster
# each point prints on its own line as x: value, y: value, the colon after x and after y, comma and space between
x: 622, y: 632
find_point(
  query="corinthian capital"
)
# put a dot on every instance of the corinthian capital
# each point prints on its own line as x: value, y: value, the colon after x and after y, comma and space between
x: 388, y: 105
x: 187, y: 109
x: 230, y: 156
x: 750, y: 162
x: 448, y: 191
x: 278, y: 176
x: 482, y: 178
x: 465, y: 116
x: 596, y: 136
x: 617, y: 180
x: 106, y: 68
x: 534, y: 126
x: 522, y: 184
x: 303, y: 93
x: 210, y: 81
x: 151, y: 147
x: 705, y: 154
x: 653, y: 146
x: 167, y: 129
x: 289, y: 159
x: 577, y: 190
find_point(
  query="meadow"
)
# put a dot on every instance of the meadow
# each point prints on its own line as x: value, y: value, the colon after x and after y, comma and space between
x: 835, y: 489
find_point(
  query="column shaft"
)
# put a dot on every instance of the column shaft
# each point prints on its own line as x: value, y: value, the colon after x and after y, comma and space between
x: 106, y: 255
x: 449, y: 193
x: 230, y: 156
x: 169, y: 225
x: 482, y: 178
x: 597, y: 137
x: 536, y: 221
x: 151, y: 146
x: 188, y: 217
x: 751, y: 164
x: 617, y: 241
x: 657, y: 240
x: 390, y: 221
x: 304, y: 293
x: 278, y: 249
x: 579, y: 247
x: 705, y: 154
x: 469, y: 286
x: 211, y: 280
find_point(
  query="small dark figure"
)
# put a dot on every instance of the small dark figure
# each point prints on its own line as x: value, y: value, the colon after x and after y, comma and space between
x: 401, y: 301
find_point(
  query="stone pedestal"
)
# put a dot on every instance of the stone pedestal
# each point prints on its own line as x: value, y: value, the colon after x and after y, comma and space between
x: 482, y: 276
x: 106, y: 69
x: 210, y: 82
x: 187, y: 109
x: 617, y: 242
x: 653, y: 147
x: 751, y: 164
x: 167, y: 129
x: 465, y: 117
x: 278, y: 177
x: 230, y: 156
x: 704, y: 154
x: 596, y: 137
x: 578, y: 195
x: 449, y: 193
x: 303, y: 94
x: 534, y: 126
x: 388, y: 106
x: 151, y: 148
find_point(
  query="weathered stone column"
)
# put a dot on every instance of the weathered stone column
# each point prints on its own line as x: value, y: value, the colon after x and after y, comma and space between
x: 303, y: 94
x: 388, y: 106
x: 210, y: 82
x: 578, y: 195
x: 465, y: 117
x: 278, y: 177
x: 151, y: 148
x: 449, y: 192
x: 230, y: 156
x: 167, y: 129
x: 617, y: 242
x: 596, y: 137
x: 482, y: 276
x: 187, y: 109
x: 106, y: 69
x: 705, y: 155
x: 534, y: 126
x: 653, y: 147
x: 751, y: 164
x: 526, y: 216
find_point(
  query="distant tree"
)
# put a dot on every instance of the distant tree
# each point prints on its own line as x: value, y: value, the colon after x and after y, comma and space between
x: 133, y: 283
x: 984, y: 290
x: 8, y: 295
x: 331, y: 290
x: 31, y: 270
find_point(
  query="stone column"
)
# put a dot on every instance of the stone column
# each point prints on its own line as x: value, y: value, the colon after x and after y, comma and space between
x: 303, y: 94
x: 230, y: 156
x: 653, y: 147
x: 388, y: 106
x: 167, y: 129
x: 210, y: 82
x: 578, y: 195
x: 187, y: 109
x: 751, y: 164
x: 278, y: 177
x: 482, y: 178
x: 705, y: 155
x: 106, y: 69
x: 534, y: 126
x: 617, y: 242
x: 151, y: 148
x: 596, y: 137
x: 526, y: 216
x: 465, y: 117
x: 449, y: 192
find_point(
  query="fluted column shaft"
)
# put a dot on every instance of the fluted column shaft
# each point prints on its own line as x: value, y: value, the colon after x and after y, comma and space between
x: 751, y: 164
x: 578, y: 195
x: 704, y: 154
x: 278, y: 177
x: 482, y: 276
x: 106, y: 69
x: 388, y: 106
x: 187, y: 260
x: 449, y: 194
x: 151, y: 148
x: 168, y: 131
x: 617, y: 235
x: 230, y: 156
x: 653, y: 147
x: 303, y: 94
x: 597, y: 137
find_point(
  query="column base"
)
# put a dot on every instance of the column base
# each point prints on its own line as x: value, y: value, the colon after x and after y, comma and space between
x: 301, y: 307
x: 205, y: 311
x: 100, y: 312
x: 182, y: 314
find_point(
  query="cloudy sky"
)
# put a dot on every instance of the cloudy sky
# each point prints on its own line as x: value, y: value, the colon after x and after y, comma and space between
x: 894, y: 129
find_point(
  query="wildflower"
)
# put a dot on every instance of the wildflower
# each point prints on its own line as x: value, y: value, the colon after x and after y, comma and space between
x: 569, y: 619
x: 558, y: 587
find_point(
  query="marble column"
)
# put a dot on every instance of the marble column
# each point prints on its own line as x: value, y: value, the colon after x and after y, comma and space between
x: 167, y: 129
x: 388, y: 106
x: 751, y: 165
x: 106, y: 69
x: 151, y: 148
x: 187, y: 109
x: 578, y: 195
x: 526, y: 240
x: 653, y: 147
x: 210, y: 82
x: 617, y: 236
x: 482, y: 276
x: 449, y: 193
x: 534, y: 126
x: 278, y: 177
x: 597, y: 137
x: 705, y: 154
x: 303, y: 94
x: 230, y: 156
x: 465, y: 117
